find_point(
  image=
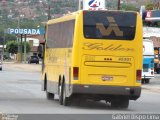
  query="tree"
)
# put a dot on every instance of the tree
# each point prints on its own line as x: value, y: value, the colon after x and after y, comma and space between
x: 28, y: 48
x: 9, y: 37
x: 149, y: 6
x: 128, y: 7
x: 12, y: 47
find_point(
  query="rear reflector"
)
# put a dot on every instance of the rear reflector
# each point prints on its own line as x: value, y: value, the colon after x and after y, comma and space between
x: 75, y: 73
x: 138, y: 75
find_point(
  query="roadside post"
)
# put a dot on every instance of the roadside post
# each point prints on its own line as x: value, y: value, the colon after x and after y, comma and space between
x: 21, y: 53
x: 119, y: 3
x: 25, y: 48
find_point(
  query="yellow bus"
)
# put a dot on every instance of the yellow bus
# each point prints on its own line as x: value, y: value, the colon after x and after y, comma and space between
x: 93, y: 55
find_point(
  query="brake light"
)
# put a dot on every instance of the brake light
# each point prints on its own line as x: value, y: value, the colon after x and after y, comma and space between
x: 138, y: 75
x: 75, y: 73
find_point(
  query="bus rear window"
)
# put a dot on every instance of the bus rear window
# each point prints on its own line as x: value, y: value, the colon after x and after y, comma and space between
x: 109, y: 25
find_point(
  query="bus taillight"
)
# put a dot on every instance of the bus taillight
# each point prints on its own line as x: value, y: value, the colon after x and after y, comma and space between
x: 138, y: 75
x: 75, y: 73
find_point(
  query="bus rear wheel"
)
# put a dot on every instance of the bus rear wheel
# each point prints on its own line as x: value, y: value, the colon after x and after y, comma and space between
x: 49, y: 95
x: 147, y: 81
x: 158, y: 71
x: 142, y: 81
x: 66, y: 100
x: 60, y: 93
x: 63, y: 100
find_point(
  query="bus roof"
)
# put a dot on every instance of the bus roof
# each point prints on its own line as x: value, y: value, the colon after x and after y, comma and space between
x: 67, y: 17
x: 72, y: 16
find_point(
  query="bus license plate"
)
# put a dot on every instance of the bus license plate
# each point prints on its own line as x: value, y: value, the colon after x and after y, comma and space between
x: 107, y: 78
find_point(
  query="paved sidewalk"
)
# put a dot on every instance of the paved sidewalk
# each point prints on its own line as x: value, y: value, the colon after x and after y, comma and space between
x: 22, y: 66
x: 154, y: 85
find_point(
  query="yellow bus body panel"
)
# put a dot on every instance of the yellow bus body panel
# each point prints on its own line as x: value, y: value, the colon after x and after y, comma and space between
x: 93, y: 66
x: 100, y: 62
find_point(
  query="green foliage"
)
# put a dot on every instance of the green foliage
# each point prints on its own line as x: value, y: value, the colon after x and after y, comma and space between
x: 128, y: 7
x: 9, y: 37
x: 12, y: 47
x: 149, y: 6
x: 57, y: 7
x: 28, y: 48
x: 111, y: 4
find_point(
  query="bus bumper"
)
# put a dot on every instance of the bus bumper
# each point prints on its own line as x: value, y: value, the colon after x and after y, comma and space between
x: 132, y: 93
x: 147, y: 77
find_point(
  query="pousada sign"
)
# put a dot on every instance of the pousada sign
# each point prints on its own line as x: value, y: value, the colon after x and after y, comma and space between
x: 26, y: 31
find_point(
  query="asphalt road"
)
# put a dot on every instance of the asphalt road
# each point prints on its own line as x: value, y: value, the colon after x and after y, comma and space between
x: 20, y: 93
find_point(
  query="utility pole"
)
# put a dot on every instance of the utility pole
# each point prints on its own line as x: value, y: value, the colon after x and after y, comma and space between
x: 49, y: 12
x: 21, y: 53
x: 79, y: 5
x: 4, y: 37
x: 119, y: 2
x: 25, y: 48
x: 19, y: 43
x: 49, y: 9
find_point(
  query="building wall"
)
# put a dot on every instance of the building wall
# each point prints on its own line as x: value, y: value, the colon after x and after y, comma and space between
x: 35, y: 41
